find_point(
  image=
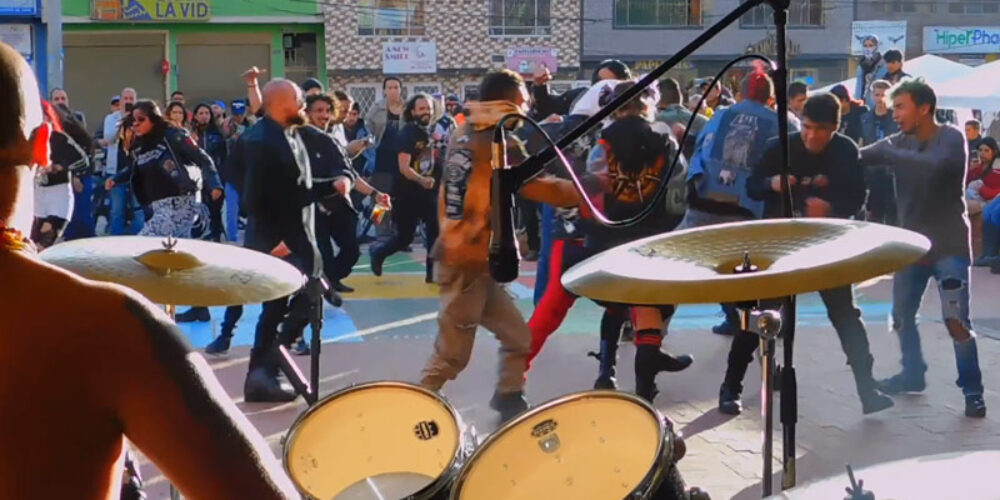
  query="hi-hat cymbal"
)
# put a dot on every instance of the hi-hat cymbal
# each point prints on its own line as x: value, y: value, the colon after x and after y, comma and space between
x: 179, y: 272
x: 697, y: 265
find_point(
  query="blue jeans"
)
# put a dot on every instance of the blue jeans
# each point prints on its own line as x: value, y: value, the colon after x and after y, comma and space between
x: 81, y: 225
x: 908, y: 286
x: 122, y: 199
x: 232, y: 212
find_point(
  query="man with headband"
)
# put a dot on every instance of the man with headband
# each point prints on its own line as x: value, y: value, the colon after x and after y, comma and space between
x: 114, y: 365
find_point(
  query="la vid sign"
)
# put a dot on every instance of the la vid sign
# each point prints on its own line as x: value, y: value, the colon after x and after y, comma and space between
x: 409, y: 57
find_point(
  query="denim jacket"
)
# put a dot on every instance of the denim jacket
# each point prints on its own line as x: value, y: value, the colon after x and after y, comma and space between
x: 728, y: 148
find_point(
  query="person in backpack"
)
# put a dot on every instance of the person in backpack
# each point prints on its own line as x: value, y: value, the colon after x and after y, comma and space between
x: 159, y: 171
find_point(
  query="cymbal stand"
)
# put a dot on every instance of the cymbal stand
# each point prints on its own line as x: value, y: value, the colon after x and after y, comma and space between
x: 314, y: 290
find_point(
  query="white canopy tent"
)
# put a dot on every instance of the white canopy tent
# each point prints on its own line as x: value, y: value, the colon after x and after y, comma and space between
x: 978, y: 89
x: 934, y: 69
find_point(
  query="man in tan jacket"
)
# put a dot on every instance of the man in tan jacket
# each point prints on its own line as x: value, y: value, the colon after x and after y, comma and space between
x: 470, y: 297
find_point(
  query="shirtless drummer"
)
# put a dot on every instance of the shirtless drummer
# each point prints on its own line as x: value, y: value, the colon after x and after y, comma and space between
x: 112, y: 365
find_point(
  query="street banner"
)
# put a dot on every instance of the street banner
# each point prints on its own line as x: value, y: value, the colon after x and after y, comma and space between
x: 524, y: 60
x: 891, y: 35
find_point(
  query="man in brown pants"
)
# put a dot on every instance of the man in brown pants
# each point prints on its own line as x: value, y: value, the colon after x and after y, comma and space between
x: 470, y: 297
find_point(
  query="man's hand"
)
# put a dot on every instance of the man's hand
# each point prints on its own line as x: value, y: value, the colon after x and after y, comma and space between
x: 356, y: 146
x: 77, y: 185
x: 384, y: 199
x: 427, y: 182
x: 251, y: 75
x: 776, y: 182
x: 542, y: 75
x: 103, y: 142
x: 216, y: 194
x: 816, y: 207
x: 108, y: 184
x: 342, y: 185
x: 281, y: 251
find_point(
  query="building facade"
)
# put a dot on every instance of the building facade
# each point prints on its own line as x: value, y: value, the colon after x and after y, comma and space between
x: 966, y: 31
x: 200, y: 47
x: 29, y: 27
x: 644, y: 33
x: 448, y: 45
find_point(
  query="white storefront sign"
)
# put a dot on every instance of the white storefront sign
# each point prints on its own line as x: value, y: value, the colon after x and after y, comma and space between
x: 409, y: 57
x: 19, y: 37
x: 891, y: 35
x: 961, y: 39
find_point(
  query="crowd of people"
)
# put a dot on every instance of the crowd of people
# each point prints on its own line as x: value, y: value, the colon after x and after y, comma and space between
x: 181, y: 172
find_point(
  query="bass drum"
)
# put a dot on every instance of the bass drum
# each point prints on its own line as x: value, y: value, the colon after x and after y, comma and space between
x: 594, y: 445
x: 376, y: 441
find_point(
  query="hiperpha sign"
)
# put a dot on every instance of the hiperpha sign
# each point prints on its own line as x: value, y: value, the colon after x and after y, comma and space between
x: 961, y: 39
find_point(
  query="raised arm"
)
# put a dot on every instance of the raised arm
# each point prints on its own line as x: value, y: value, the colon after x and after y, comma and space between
x: 173, y: 408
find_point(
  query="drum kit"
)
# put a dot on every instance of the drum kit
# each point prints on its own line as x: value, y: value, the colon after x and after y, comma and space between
x: 396, y: 440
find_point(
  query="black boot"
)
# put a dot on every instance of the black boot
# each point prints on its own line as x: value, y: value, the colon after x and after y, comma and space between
x: 261, y: 385
x: 376, y: 260
x: 220, y: 345
x: 730, y: 401
x: 607, y: 358
x: 199, y: 314
x: 509, y: 404
x: 872, y: 399
x: 429, y: 277
x: 649, y: 361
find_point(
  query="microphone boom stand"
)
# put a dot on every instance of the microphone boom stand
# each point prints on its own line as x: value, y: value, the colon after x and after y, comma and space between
x: 510, y: 179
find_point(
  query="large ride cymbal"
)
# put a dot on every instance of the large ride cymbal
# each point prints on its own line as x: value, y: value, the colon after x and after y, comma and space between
x: 180, y: 272
x: 697, y: 265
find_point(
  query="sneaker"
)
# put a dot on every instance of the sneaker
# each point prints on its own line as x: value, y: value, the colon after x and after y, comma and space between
x: 219, y: 346
x: 301, y: 348
x: 628, y: 332
x: 900, y: 383
x: 509, y: 405
x: 195, y: 314
x: 729, y: 401
x: 975, y: 407
x: 726, y: 328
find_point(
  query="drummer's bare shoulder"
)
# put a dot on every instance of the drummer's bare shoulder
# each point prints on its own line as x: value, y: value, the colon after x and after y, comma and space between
x: 165, y: 397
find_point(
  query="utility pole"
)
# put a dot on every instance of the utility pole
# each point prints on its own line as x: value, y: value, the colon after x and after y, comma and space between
x: 52, y: 18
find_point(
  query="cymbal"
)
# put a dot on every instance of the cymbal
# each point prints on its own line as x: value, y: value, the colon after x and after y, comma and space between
x: 179, y: 272
x: 697, y: 265
x: 948, y: 475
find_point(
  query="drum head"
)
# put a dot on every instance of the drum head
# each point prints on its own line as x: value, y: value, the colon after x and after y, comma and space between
x: 380, y: 440
x: 595, y: 445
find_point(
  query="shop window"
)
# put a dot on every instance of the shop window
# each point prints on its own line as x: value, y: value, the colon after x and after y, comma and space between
x: 801, y: 13
x: 640, y: 14
x: 520, y: 17
x: 391, y: 17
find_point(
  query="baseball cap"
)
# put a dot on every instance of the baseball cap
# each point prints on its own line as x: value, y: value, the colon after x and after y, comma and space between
x: 116, y: 99
x: 221, y: 104
x: 239, y: 107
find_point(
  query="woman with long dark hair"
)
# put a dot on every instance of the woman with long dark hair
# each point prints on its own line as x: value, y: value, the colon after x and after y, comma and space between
x: 208, y: 135
x: 53, y: 191
x: 163, y: 159
x: 177, y: 114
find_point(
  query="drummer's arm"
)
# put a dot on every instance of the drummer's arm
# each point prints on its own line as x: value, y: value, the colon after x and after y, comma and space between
x: 173, y: 408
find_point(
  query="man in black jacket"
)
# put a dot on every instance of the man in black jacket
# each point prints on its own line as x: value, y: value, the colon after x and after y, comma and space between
x: 827, y: 181
x: 278, y: 197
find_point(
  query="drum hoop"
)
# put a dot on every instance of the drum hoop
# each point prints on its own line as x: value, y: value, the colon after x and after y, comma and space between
x: 438, y: 483
x: 649, y: 482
